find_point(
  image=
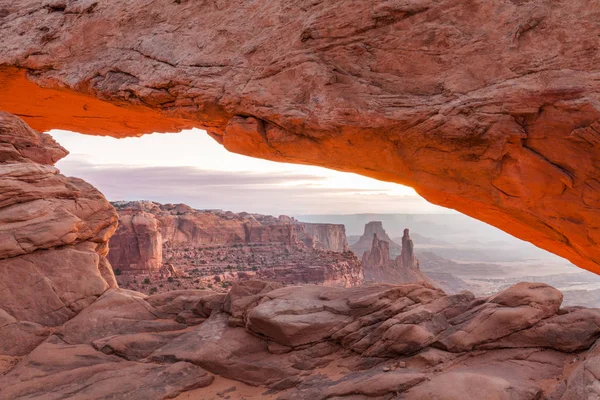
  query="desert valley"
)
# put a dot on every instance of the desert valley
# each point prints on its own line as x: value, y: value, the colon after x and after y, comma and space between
x: 418, y: 217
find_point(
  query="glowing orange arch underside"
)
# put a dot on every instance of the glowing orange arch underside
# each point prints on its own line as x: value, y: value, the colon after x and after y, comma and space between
x: 44, y: 109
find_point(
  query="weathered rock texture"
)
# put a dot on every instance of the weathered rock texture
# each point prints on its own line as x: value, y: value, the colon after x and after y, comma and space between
x: 378, y: 255
x: 365, y: 243
x: 312, y: 342
x: 328, y: 236
x: 137, y: 244
x: 490, y: 108
x: 53, y: 239
x: 216, y: 247
x: 67, y: 331
x: 407, y: 255
x: 378, y: 266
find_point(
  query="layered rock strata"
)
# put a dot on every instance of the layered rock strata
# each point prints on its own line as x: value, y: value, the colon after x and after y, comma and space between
x: 496, y: 117
x: 328, y: 236
x: 53, y: 239
x: 176, y: 247
x: 68, y: 332
x: 53, y: 271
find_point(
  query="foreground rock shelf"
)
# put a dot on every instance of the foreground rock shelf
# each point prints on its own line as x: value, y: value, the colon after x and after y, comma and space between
x: 312, y: 342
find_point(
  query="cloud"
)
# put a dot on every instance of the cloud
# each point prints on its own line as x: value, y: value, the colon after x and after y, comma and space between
x: 262, y: 192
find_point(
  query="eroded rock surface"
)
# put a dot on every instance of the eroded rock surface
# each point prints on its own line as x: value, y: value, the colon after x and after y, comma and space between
x: 53, y: 239
x: 365, y: 242
x: 490, y: 108
x: 309, y: 342
x: 68, y: 331
x: 60, y: 310
x: 173, y: 246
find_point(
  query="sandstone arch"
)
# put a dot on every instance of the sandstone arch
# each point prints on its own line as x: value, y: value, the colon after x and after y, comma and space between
x: 491, y: 108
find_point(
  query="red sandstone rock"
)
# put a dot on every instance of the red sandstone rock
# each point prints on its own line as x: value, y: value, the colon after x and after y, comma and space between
x: 496, y: 117
x: 116, y: 312
x: 378, y: 267
x: 407, y: 255
x: 290, y: 337
x: 327, y: 236
x: 58, y: 370
x: 378, y: 255
x: 137, y: 243
x: 297, y: 340
x: 216, y: 247
x: 53, y: 234
x: 229, y: 352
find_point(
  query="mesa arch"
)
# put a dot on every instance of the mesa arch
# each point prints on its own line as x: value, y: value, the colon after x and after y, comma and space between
x: 490, y: 108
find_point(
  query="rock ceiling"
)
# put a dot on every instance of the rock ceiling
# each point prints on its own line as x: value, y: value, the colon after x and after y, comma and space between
x: 490, y: 108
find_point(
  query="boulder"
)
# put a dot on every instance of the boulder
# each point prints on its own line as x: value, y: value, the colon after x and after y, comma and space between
x: 116, y: 312
x: 58, y: 370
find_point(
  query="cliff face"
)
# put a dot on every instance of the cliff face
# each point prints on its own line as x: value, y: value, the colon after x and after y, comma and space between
x: 137, y: 244
x: 327, y: 236
x: 378, y: 255
x: 53, y: 239
x: 366, y: 240
x: 215, y: 247
x: 494, y: 117
x: 407, y: 255
x: 285, y: 234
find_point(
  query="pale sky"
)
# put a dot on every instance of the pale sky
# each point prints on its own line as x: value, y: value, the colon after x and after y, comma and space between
x: 190, y: 167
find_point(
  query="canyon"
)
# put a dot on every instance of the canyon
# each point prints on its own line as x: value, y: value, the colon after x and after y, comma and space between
x: 380, y: 267
x: 172, y: 246
x: 489, y: 108
x: 365, y: 242
x: 162, y: 247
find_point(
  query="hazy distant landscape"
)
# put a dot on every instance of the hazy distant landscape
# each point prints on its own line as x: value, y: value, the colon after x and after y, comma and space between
x: 465, y: 254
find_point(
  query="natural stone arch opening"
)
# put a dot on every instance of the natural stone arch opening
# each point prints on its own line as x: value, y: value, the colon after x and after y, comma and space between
x: 496, y: 117
x: 490, y: 107
x: 548, y: 206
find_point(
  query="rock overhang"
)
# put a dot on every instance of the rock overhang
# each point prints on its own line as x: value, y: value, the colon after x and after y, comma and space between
x: 495, y: 114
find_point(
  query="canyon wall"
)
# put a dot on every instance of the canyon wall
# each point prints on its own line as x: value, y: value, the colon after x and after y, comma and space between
x: 161, y: 241
x: 490, y: 108
x: 327, y: 236
x: 137, y: 243
x: 378, y: 255
x: 68, y: 332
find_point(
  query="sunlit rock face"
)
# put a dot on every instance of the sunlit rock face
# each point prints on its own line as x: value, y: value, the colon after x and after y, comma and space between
x: 490, y: 108
x: 214, y: 246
